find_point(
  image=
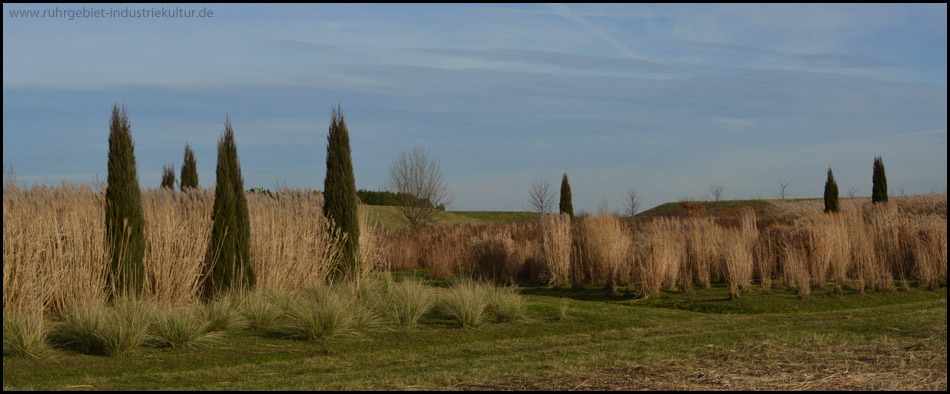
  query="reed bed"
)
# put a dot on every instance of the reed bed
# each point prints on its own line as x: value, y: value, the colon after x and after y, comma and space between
x: 556, y: 249
x: 56, y: 257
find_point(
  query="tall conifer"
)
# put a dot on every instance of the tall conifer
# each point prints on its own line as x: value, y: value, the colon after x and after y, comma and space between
x: 125, y: 219
x: 566, y: 205
x: 831, y: 194
x: 230, y: 247
x: 168, y: 177
x: 340, y: 202
x: 189, y: 170
x: 879, y: 182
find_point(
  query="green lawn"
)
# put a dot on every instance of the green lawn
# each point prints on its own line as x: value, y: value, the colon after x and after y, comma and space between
x: 700, y: 340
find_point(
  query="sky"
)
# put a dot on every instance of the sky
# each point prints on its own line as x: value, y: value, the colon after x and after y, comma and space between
x: 664, y: 99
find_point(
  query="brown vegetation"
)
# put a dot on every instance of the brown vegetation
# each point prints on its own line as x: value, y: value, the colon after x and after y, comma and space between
x: 55, y: 255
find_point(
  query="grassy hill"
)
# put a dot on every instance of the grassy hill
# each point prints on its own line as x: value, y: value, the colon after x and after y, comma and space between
x: 705, y: 208
x: 390, y: 217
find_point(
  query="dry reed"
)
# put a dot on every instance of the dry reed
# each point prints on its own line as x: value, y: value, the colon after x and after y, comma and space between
x: 556, y: 248
x: 600, y: 250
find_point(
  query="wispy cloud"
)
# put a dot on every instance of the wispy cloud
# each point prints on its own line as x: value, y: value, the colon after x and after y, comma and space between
x: 566, y: 12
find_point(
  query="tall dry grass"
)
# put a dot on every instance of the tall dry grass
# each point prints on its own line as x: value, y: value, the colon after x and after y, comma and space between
x: 54, y: 247
x: 655, y: 257
x: 177, y: 235
x: 701, y: 237
x: 293, y: 246
x: 55, y: 254
x: 767, y: 254
x: 495, y: 257
x: 556, y: 249
x: 600, y: 251
x: 737, y: 254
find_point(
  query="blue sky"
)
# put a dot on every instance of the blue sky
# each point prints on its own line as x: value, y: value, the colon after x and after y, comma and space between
x: 667, y: 99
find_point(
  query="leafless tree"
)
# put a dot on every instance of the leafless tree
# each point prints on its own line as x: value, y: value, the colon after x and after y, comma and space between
x: 852, y: 191
x: 632, y: 202
x: 417, y: 182
x: 782, y: 187
x: 603, y: 208
x: 716, y: 191
x: 540, y: 196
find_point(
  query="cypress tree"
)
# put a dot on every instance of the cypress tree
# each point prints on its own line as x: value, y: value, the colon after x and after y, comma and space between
x: 340, y: 202
x: 831, y: 194
x: 189, y: 170
x: 168, y: 177
x: 230, y: 247
x: 879, y: 185
x: 566, y: 205
x: 125, y: 218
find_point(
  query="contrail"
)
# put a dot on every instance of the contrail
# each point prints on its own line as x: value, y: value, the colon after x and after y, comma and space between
x: 562, y: 10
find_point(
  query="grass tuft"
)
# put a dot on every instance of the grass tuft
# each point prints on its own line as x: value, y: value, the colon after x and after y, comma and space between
x: 466, y: 302
x: 126, y: 325
x: 181, y: 329
x: 24, y: 334
x: 506, y: 304
x: 322, y: 313
x: 79, y: 328
x: 406, y: 301
x: 224, y: 313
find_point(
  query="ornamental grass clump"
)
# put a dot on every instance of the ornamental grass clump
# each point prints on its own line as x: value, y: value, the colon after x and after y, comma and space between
x: 24, y: 334
x: 320, y: 314
x: 224, y: 313
x: 126, y: 325
x: 181, y: 329
x: 466, y: 302
x: 406, y: 301
x: 80, y: 327
x: 506, y: 304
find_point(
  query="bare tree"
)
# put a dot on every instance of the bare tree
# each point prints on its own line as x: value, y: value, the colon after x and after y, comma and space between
x: 781, y: 192
x: 417, y: 182
x: 716, y: 191
x: 632, y: 202
x: 852, y: 191
x: 540, y: 196
x: 603, y: 207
